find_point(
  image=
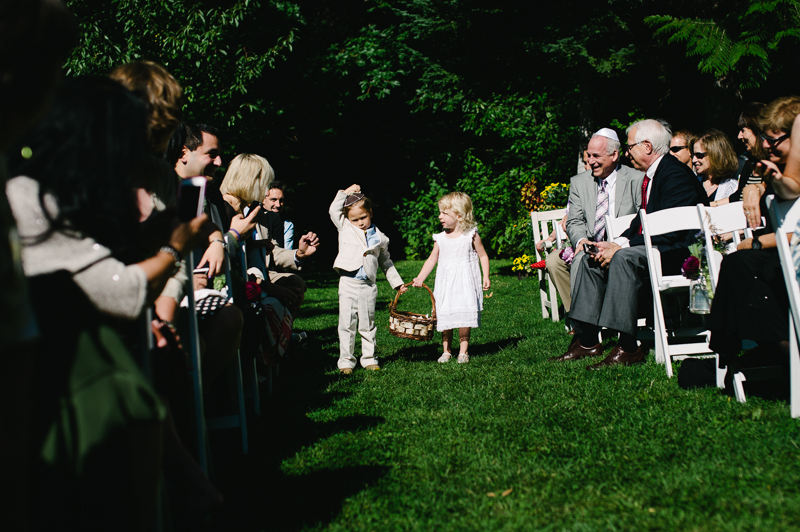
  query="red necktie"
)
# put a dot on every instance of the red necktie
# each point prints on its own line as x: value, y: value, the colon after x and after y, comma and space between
x: 644, y: 196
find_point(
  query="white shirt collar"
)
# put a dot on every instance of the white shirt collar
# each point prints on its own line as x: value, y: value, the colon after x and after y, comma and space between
x: 653, y: 167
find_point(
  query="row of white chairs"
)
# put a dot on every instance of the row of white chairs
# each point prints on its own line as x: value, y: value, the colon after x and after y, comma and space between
x: 671, y: 345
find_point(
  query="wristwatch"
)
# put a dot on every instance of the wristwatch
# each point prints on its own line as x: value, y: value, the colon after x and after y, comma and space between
x: 757, y: 243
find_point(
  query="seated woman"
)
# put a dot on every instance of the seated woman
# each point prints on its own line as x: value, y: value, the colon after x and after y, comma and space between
x: 750, y: 136
x: 247, y: 182
x: 714, y: 161
x: 98, y: 421
x: 751, y: 302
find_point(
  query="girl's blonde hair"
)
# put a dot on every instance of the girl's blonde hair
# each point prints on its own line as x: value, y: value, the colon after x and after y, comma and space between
x: 248, y: 178
x: 459, y: 205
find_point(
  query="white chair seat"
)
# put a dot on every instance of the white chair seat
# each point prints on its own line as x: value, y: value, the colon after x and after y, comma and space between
x: 672, y: 283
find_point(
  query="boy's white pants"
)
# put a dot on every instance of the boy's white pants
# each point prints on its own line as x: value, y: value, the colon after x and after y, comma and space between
x: 356, y: 313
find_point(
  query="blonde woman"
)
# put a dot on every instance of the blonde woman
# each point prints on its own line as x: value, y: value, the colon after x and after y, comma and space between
x: 459, y: 300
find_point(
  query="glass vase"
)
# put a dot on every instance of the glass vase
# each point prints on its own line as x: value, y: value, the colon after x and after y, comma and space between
x: 699, y: 300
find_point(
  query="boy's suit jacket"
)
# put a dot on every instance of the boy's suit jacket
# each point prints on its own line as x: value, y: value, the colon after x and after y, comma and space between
x: 353, y: 250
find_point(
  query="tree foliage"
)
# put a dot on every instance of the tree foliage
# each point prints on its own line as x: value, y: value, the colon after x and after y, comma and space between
x: 740, y: 41
x: 415, y: 98
x: 217, y: 53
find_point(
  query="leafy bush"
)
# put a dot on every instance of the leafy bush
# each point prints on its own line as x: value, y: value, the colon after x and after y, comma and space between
x: 521, y: 130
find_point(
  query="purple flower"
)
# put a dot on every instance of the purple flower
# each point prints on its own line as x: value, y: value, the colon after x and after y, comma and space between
x: 691, y: 267
x: 567, y: 254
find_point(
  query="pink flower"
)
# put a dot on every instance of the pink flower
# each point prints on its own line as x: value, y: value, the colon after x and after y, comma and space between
x: 691, y: 267
x: 252, y: 291
x: 567, y: 254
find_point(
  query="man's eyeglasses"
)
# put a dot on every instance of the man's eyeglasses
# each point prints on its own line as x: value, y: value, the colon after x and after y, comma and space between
x: 699, y: 154
x: 676, y: 149
x: 629, y: 147
x: 774, y: 141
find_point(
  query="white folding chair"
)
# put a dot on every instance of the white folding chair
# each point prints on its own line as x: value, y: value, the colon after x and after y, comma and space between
x: 659, y: 223
x: 616, y: 226
x: 788, y: 214
x: 716, y: 221
x: 541, y: 223
x: 240, y: 418
x: 269, y: 376
x: 196, y: 373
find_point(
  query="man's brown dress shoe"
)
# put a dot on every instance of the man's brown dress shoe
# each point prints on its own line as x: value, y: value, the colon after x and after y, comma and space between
x: 618, y: 357
x: 576, y: 352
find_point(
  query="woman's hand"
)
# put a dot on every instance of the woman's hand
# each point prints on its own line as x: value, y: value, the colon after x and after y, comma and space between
x: 417, y: 282
x: 751, y: 199
x: 486, y: 282
x: 352, y: 189
x: 244, y: 226
x: 214, y: 257
x: 188, y: 235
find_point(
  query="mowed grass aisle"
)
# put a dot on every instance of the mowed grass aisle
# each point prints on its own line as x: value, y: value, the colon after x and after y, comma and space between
x: 508, y: 441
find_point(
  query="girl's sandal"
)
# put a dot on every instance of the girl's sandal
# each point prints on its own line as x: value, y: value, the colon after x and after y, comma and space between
x: 445, y: 358
x: 463, y: 358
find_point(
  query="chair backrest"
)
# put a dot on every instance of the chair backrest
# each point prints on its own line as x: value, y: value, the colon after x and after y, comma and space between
x: 720, y: 220
x: 661, y: 222
x: 617, y: 226
x: 789, y: 216
x: 784, y: 213
x: 541, y: 223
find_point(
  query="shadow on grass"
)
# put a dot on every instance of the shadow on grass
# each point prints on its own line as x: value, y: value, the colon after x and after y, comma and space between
x: 258, y: 494
x: 430, y: 351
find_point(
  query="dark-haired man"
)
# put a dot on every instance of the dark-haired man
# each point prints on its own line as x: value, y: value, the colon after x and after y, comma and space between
x: 201, y: 154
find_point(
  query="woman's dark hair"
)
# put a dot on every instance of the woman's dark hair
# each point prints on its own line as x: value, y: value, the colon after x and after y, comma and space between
x: 749, y: 119
x: 86, y: 152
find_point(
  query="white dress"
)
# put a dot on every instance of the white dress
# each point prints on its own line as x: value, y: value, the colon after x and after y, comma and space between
x: 458, y: 290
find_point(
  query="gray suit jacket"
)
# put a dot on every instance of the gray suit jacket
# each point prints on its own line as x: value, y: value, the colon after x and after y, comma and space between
x: 583, y: 205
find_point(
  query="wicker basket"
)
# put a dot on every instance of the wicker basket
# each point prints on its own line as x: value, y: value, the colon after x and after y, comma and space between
x: 411, y: 325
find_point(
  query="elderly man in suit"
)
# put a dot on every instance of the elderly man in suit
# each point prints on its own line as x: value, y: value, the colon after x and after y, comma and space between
x: 605, y: 188
x: 608, y: 283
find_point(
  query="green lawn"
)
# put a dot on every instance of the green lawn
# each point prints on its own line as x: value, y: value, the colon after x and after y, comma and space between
x: 509, y: 441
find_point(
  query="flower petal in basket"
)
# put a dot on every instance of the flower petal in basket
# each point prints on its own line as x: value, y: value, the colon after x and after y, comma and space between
x: 411, y: 325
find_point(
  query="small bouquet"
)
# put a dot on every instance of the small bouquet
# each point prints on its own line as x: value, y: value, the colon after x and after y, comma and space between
x: 695, y: 267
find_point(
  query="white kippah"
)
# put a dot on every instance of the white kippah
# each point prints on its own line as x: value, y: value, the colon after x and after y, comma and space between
x: 607, y: 133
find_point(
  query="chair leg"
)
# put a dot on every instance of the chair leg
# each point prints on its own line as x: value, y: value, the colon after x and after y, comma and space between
x: 551, y: 286
x: 269, y: 381
x: 720, y: 373
x: 794, y: 368
x: 256, y: 393
x: 738, y: 387
x: 542, y: 296
x: 240, y: 395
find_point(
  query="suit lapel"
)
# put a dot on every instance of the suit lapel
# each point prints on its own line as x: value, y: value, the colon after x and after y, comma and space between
x: 620, y: 188
x: 652, y: 203
x: 591, y: 208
